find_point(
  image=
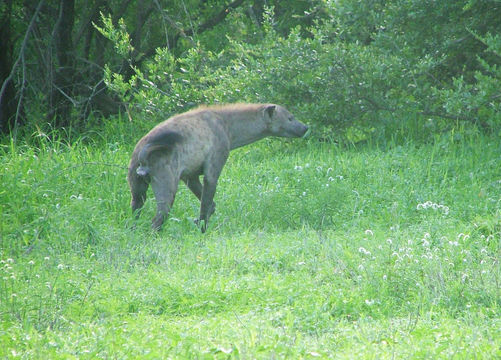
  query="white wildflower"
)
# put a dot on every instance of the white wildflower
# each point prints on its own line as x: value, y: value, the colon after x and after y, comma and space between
x: 364, y: 251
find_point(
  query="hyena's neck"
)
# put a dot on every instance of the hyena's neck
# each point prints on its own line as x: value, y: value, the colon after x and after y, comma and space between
x: 245, y: 127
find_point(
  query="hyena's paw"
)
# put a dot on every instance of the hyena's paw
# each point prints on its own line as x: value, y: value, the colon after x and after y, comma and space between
x: 201, y: 223
x: 157, y: 222
x: 212, y: 210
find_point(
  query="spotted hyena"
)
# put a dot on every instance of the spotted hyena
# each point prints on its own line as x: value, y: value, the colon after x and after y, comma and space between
x: 196, y: 143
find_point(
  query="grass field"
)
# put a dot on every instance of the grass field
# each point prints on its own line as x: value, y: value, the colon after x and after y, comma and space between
x: 315, y: 251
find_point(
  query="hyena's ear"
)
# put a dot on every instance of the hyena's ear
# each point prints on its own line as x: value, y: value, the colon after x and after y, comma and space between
x: 269, y: 111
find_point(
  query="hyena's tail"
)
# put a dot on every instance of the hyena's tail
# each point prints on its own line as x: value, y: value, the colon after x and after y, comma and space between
x: 161, y: 141
x: 138, y: 167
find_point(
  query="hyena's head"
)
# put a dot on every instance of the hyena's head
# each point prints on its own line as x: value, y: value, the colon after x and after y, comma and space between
x: 281, y: 122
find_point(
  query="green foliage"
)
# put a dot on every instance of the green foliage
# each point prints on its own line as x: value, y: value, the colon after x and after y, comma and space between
x: 479, y: 101
x: 118, y: 36
x: 351, y: 78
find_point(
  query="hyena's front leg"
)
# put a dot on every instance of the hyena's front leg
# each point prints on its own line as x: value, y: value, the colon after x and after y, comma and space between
x: 206, y: 203
x: 211, y: 175
x: 196, y: 188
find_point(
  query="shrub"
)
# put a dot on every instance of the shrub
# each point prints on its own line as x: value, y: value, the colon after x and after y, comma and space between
x: 346, y: 88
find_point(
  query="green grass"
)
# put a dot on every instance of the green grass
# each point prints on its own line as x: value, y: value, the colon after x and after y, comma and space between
x: 315, y: 251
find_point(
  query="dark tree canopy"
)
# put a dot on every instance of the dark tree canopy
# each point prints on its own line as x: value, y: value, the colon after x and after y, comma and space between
x: 359, y: 60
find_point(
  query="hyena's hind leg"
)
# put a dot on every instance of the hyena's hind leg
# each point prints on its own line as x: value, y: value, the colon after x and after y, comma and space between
x: 164, y: 185
x: 138, y: 188
x: 211, y: 174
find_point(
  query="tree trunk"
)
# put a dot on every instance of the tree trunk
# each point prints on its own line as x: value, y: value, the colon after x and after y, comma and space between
x: 8, y: 103
x: 61, y: 96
